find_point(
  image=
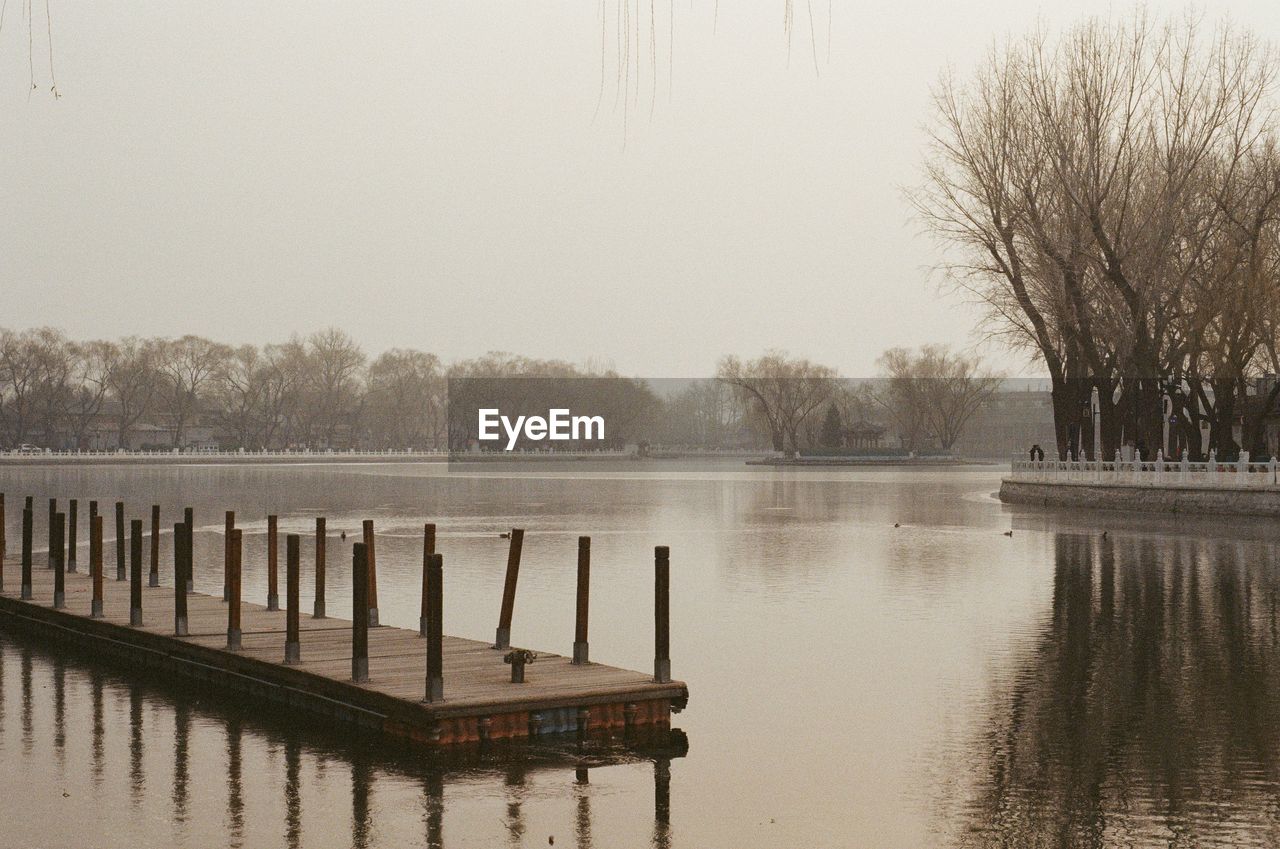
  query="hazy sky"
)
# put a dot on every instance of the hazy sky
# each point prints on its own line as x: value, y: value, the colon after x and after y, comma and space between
x: 436, y: 175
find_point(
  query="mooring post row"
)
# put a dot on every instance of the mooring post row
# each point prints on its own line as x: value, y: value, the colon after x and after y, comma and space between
x: 435, y: 630
x: 662, y: 614
x: 428, y: 549
x: 188, y: 554
x: 71, y: 535
x: 179, y: 580
x: 318, y: 611
x: 53, y: 510
x: 58, y: 556
x: 135, y: 572
x: 273, y: 587
x: 359, y: 613
x: 26, y: 550
x: 292, y: 645
x: 120, y: 555
x: 234, y: 559
x: 371, y: 551
x: 95, y: 561
x: 580, y: 651
x: 153, y: 575
x: 228, y: 527
x: 502, y: 639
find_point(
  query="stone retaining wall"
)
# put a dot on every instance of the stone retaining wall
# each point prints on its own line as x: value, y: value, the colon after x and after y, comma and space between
x: 1148, y: 499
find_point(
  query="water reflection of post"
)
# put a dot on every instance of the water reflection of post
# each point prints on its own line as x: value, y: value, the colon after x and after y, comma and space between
x: 662, y: 803
x: 181, y: 762
x: 98, y: 725
x: 361, y: 778
x: 433, y: 790
x: 136, y: 783
x: 28, y: 737
x: 235, y: 786
x: 59, y: 708
x: 515, y: 783
x: 292, y: 792
x: 582, y: 823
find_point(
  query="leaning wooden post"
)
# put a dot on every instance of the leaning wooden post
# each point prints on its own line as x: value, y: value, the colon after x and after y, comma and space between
x: 58, y: 557
x: 95, y: 564
x: 120, y: 561
x: 435, y: 628
x: 503, y: 638
x: 292, y: 646
x: 233, y: 590
x: 317, y: 611
x: 135, y: 572
x: 180, y: 579
x: 584, y: 592
x: 153, y: 579
x: 428, y: 549
x: 359, y: 613
x: 53, y: 511
x: 26, y: 551
x: 71, y: 536
x: 371, y: 551
x: 189, y: 553
x: 226, y: 552
x: 273, y: 589
x: 3, y: 542
x: 662, y: 614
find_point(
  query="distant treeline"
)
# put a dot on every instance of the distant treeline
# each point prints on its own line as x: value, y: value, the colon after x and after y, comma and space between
x: 323, y: 391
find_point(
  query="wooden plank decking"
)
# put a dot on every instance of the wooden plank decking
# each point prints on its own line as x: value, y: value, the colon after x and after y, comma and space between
x: 480, y: 700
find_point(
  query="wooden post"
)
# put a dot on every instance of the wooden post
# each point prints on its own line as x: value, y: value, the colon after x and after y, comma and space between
x: 371, y: 551
x: 189, y: 553
x: 428, y: 549
x: 273, y: 588
x: 226, y: 553
x: 503, y: 638
x: 180, y: 532
x: 26, y: 551
x: 135, y: 572
x: 236, y: 551
x: 435, y: 629
x: 120, y: 561
x: 153, y: 578
x: 3, y: 542
x: 359, y: 613
x: 71, y: 536
x: 53, y: 511
x: 95, y: 562
x: 317, y: 611
x: 292, y: 646
x: 58, y: 557
x: 584, y: 591
x: 662, y: 614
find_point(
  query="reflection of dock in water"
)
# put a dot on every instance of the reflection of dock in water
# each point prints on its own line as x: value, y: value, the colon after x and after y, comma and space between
x: 158, y: 714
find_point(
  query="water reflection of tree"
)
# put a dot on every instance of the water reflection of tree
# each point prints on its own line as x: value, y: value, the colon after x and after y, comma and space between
x: 1147, y: 711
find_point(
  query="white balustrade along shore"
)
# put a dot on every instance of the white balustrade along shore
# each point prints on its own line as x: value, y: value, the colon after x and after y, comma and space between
x: 1239, y: 474
x: 49, y: 456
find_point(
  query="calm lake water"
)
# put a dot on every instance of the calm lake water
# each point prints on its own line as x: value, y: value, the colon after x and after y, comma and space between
x: 853, y: 683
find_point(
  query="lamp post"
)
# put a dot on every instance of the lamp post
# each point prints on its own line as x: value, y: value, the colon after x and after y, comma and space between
x: 1095, y: 405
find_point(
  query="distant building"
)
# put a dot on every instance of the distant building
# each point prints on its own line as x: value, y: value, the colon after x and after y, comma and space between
x: 1009, y: 423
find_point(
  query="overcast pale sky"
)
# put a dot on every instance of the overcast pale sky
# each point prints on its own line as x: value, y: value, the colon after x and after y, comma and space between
x: 436, y: 175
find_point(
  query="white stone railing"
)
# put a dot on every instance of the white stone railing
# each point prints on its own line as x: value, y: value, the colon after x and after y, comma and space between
x: 1240, y: 474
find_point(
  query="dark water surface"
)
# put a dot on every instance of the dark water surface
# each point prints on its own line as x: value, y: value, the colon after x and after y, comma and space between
x: 852, y: 683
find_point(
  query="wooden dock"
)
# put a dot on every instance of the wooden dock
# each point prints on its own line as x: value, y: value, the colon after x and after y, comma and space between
x: 479, y: 701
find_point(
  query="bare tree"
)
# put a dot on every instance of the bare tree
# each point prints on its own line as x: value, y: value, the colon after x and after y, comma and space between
x: 783, y: 390
x: 134, y: 380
